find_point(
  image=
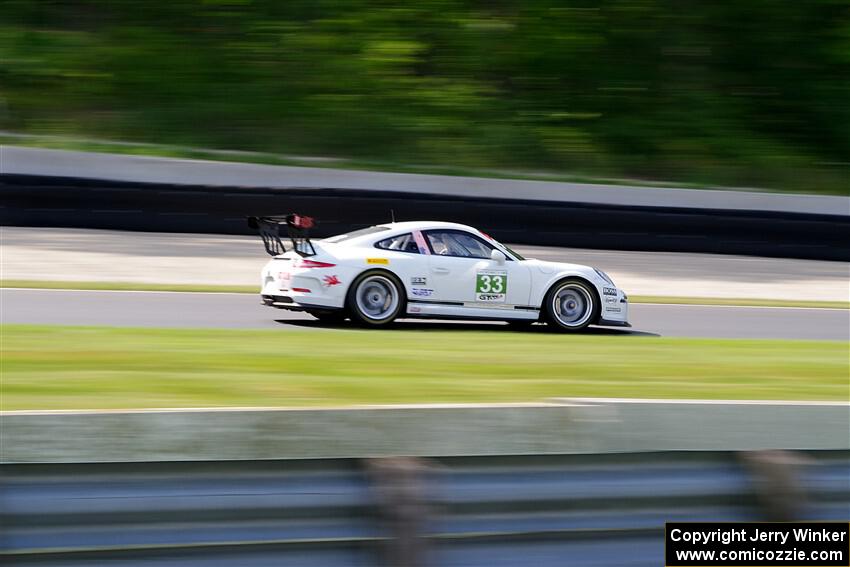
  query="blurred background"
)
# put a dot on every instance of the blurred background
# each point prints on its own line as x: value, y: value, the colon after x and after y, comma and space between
x: 751, y: 94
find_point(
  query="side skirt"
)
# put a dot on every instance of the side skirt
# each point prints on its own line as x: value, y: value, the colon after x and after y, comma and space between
x: 429, y: 310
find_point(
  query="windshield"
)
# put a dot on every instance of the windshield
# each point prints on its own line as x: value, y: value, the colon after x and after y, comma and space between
x: 513, y: 252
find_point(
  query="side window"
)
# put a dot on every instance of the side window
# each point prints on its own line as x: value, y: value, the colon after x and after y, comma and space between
x: 400, y: 243
x: 457, y: 243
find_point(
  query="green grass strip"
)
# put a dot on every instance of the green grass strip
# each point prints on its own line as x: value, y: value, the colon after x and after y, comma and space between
x: 125, y: 286
x: 65, y: 367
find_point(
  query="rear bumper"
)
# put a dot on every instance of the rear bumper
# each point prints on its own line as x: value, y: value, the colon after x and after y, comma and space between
x: 302, y: 290
x: 287, y: 302
x: 279, y: 301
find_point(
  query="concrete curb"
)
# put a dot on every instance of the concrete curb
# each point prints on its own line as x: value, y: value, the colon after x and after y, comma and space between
x: 569, y: 426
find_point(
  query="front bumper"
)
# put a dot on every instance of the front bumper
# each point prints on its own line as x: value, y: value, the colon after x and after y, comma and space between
x: 615, y: 308
x: 607, y: 323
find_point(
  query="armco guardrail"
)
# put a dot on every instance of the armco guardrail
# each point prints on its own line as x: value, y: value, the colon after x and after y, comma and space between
x: 597, y: 480
x: 75, y: 195
x: 540, y: 510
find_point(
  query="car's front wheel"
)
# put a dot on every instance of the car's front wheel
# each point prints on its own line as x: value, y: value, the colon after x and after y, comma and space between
x: 375, y: 299
x: 571, y: 305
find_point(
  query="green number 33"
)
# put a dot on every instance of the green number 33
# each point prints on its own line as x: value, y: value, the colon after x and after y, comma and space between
x: 490, y: 283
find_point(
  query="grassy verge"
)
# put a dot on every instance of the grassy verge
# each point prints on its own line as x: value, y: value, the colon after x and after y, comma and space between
x: 125, y: 286
x: 47, y: 367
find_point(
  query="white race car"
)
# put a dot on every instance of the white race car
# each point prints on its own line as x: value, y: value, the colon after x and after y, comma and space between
x: 433, y: 270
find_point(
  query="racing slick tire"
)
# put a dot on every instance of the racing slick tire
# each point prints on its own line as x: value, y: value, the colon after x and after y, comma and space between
x: 571, y: 305
x: 375, y: 299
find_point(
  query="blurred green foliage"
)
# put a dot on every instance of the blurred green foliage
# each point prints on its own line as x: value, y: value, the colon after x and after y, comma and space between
x: 750, y: 93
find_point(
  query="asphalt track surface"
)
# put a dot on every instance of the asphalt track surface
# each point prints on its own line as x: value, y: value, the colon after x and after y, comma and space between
x: 163, y: 258
x: 244, y: 311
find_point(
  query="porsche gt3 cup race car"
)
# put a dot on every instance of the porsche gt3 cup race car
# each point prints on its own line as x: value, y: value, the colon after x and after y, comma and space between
x: 433, y: 270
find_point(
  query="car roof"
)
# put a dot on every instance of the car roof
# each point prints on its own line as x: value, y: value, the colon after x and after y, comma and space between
x: 426, y: 225
x: 392, y: 229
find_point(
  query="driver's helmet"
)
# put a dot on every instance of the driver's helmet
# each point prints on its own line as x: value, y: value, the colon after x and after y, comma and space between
x: 439, y: 245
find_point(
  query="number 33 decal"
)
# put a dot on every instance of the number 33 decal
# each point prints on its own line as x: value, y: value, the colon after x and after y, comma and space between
x: 491, y: 284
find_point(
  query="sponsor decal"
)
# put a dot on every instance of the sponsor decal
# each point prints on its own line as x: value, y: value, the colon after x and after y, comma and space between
x: 330, y: 281
x: 414, y: 309
x: 610, y: 299
x: 284, y: 276
x: 422, y: 292
x: 609, y: 290
x: 612, y: 309
x: 419, y: 280
x: 382, y: 261
x: 491, y: 286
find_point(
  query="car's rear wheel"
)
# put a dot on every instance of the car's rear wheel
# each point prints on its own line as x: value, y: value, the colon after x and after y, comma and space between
x: 571, y: 305
x: 375, y: 299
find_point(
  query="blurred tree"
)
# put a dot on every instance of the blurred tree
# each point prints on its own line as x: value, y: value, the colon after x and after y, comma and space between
x: 746, y: 93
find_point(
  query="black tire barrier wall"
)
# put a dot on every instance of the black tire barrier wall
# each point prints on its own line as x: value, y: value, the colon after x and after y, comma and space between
x: 85, y: 203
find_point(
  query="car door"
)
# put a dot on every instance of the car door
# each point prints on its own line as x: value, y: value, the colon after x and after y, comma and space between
x: 461, y: 271
x: 406, y: 255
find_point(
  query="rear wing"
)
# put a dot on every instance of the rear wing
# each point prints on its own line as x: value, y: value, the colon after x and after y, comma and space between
x: 297, y: 227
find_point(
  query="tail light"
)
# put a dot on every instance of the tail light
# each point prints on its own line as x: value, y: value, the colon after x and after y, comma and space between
x: 307, y: 263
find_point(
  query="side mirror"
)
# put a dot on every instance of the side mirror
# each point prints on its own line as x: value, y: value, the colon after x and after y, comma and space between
x: 498, y: 256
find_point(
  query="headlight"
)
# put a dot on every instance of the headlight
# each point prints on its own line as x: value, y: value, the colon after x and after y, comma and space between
x: 604, y: 276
